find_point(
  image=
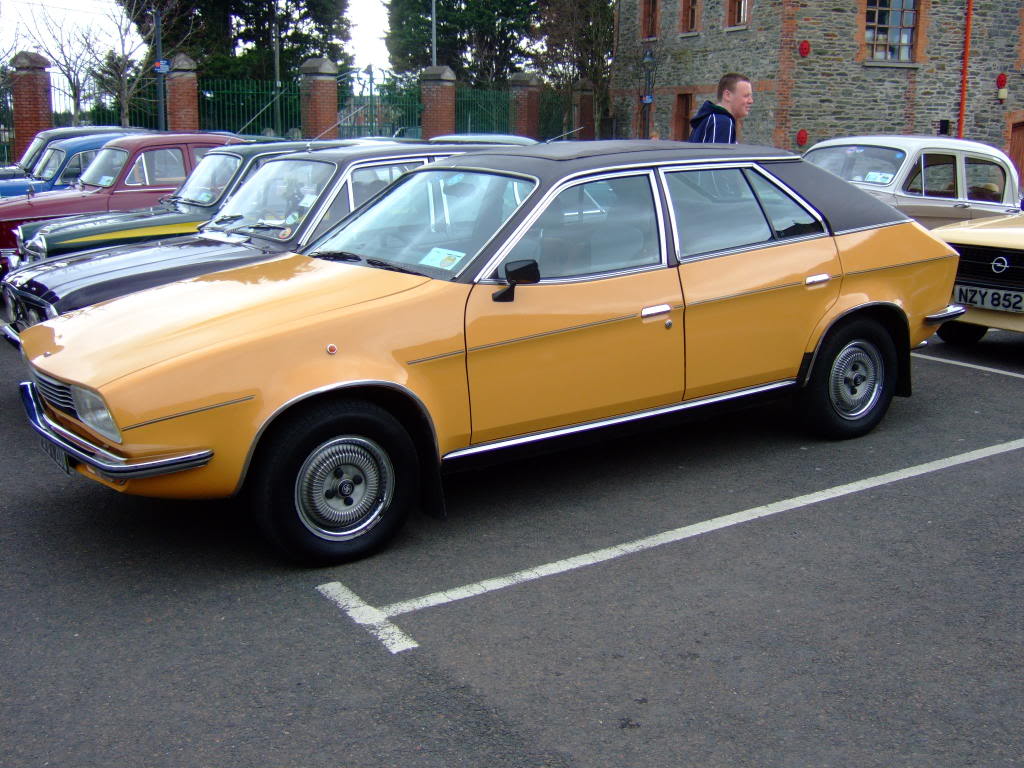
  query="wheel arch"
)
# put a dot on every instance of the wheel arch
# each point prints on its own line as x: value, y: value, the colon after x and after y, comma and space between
x: 892, y: 318
x: 397, y: 400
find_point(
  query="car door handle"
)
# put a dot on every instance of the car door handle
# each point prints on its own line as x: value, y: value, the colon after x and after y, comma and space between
x: 657, y: 309
x: 817, y: 279
x: 961, y: 205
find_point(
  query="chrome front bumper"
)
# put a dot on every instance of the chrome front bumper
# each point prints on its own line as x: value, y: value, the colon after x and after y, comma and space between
x: 10, y: 335
x: 951, y: 312
x: 107, y: 464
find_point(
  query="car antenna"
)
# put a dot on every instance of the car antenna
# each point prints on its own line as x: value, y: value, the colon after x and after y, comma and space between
x: 567, y: 133
x: 335, y: 124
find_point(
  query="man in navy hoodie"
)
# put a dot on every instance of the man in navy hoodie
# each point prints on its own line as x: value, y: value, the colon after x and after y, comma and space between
x: 716, y: 123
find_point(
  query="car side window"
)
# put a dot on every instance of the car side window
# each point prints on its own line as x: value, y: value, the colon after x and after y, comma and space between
x: 986, y: 181
x: 715, y: 210
x: 157, y: 166
x: 934, y: 175
x: 787, y: 217
x: 368, y: 181
x: 75, y: 167
x: 596, y: 227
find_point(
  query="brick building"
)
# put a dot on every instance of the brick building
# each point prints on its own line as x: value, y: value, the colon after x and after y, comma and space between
x: 828, y: 68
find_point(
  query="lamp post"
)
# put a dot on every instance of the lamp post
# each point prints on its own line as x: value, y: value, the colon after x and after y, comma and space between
x: 648, y: 97
x: 373, y: 109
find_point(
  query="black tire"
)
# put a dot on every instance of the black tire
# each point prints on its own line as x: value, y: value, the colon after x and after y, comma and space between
x: 335, y: 483
x: 852, y: 382
x: 961, y: 334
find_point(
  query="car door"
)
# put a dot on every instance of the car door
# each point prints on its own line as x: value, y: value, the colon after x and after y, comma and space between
x: 152, y: 173
x: 988, y: 187
x: 758, y: 271
x: 599, y: 335
x: 932, y: 190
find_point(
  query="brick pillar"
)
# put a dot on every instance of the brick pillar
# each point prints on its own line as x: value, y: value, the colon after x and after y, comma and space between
x: 583, y: 110
x: 318, y: 95
x: 30, y: 90
x: 437, y: 93
x: 525, y: 90
x: 182, y: 95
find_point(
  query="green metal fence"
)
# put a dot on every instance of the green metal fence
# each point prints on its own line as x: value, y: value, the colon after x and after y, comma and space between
x: 6, y: 126
x: 556, y: 116
x: 379, y: 114
x: 101, y: 109
x: 479, y: 111
x: 250, y: 106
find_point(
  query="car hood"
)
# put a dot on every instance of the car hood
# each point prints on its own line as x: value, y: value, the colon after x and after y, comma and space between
x: 102, y: 343
x: 155, y: 221
x: 57, y: 203
x: 15, y: 187
x: 78, y: 280
x: 995, y: 231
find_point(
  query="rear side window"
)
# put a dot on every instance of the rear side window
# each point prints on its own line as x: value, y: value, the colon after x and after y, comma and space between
x: 785, y: 215
x: 934, y: 175
x: 985, y: 180
x: 157, y: 167
x: 715, y: 210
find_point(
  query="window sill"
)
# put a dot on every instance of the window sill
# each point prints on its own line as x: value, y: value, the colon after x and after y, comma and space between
x: 694, y: 33
x: 649, y: 39
x: 737, y: 28
x: 891, y: 64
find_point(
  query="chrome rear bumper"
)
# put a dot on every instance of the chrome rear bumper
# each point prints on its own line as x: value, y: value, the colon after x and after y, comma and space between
x: 951, y: 312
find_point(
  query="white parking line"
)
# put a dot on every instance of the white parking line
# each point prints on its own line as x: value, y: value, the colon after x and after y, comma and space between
x: 377, y: 619
x: 968, y: 365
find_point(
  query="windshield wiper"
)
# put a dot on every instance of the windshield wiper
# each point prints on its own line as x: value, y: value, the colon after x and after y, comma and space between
x: 226, y: 219
x: 380, y: 263
x: 262, y: 225
x: 336, y: 255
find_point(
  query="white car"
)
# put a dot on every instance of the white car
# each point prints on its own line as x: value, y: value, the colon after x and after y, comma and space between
x: 933, y: 179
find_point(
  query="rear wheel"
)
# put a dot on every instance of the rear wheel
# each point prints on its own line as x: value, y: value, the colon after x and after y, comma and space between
x: 852, y: 382
x: 336, y: 482
x: 961, y: 334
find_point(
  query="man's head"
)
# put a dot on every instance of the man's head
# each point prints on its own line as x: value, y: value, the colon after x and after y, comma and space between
x: 736, y: 94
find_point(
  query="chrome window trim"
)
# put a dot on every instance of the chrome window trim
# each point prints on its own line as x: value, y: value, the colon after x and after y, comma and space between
x: 513, y: 240
x: 772, y: 179
x: 866, y: 227
x: 623, y: 419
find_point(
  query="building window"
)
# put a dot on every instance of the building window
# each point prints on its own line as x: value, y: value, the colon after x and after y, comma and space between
x: 681, y: 119
x: 737, y: 13
x: 648, y: 18
x: 688, y: 16
x: 889, y: 29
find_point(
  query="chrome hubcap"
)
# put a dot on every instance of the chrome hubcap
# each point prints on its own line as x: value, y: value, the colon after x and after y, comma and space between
x: 856, y: 380
x: 343, y: 488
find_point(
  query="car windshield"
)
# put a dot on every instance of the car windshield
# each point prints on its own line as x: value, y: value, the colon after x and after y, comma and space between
x: 276, y: 199
x: 432, y: 222
x: 859, y: 162
x: 103, y: 170
x: 48, y: 166
x: 31, y: 155
x: 206, y: 184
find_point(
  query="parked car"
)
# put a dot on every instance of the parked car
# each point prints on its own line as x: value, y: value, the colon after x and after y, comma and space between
x: 286, y: 204
x: 485, y: 301
x: 34, y: 151
x: 990, y: 278
x: 219, y: 173
x: 934, y: 179
x: 128, y: 173
x: 60, y: 165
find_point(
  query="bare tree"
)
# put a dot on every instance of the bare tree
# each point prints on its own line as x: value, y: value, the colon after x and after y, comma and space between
x: 126, y: 67
x: 69, y: 49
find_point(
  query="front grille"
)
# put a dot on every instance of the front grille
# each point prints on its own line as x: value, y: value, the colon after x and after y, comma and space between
x: 56, y: 393
x: 976, y: 266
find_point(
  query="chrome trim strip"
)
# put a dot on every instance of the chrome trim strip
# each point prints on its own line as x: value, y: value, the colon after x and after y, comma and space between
x: 570, y: 329
x: 745, y: 293
x: 659, y: 309
x: 189, y: 413
x: 951, y: 312
x: 900, y: 265
x: 104, y: 462
x: 591, y: 425
x: 435, y: 357
x: 865, y: 228
x: 11, y: 336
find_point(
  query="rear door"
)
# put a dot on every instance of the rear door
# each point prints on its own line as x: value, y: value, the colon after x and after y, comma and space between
x: 932, y: 192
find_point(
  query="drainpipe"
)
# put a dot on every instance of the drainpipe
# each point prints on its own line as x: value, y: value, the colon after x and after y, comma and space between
x: 963, y: 72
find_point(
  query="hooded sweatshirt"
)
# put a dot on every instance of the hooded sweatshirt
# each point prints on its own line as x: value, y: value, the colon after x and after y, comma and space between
x: 712, y: 125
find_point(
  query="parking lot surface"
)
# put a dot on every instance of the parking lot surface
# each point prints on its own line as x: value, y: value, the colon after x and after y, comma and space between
x: 715, y: 592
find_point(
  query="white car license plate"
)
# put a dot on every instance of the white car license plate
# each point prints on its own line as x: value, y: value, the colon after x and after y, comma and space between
x: 987, y: 298
x: 59, y: 457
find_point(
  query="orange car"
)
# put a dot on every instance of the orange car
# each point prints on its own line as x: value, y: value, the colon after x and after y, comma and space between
x: 485, y: 301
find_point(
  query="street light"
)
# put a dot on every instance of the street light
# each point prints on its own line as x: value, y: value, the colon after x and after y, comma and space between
x: 648, y: 98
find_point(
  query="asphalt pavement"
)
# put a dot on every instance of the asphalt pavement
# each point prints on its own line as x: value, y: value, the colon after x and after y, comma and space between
x: 723, y: 591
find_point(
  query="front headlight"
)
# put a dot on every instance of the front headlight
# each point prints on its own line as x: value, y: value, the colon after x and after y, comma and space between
x: 93, y: 412
x: 36, y: 247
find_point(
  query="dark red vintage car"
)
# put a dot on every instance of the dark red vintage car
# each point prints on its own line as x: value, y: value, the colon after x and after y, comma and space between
x: 128, y: 173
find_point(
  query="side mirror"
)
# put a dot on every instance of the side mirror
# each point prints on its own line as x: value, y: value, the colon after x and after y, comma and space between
x: 525, y: 272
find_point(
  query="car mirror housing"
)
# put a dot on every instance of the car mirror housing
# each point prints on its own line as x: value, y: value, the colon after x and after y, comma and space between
x: 523, y: 272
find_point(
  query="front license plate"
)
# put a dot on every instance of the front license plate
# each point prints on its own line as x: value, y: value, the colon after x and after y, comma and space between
x: 59, y: 457
x: 987, y: 298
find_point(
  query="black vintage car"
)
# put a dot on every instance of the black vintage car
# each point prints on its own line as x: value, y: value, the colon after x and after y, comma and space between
x: 286, y: 204
x: 214, y: 180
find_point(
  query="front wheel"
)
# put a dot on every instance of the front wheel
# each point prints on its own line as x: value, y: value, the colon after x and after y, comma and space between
x: 961, y: 334
x: 852, y: 382
x: 336, y: 482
